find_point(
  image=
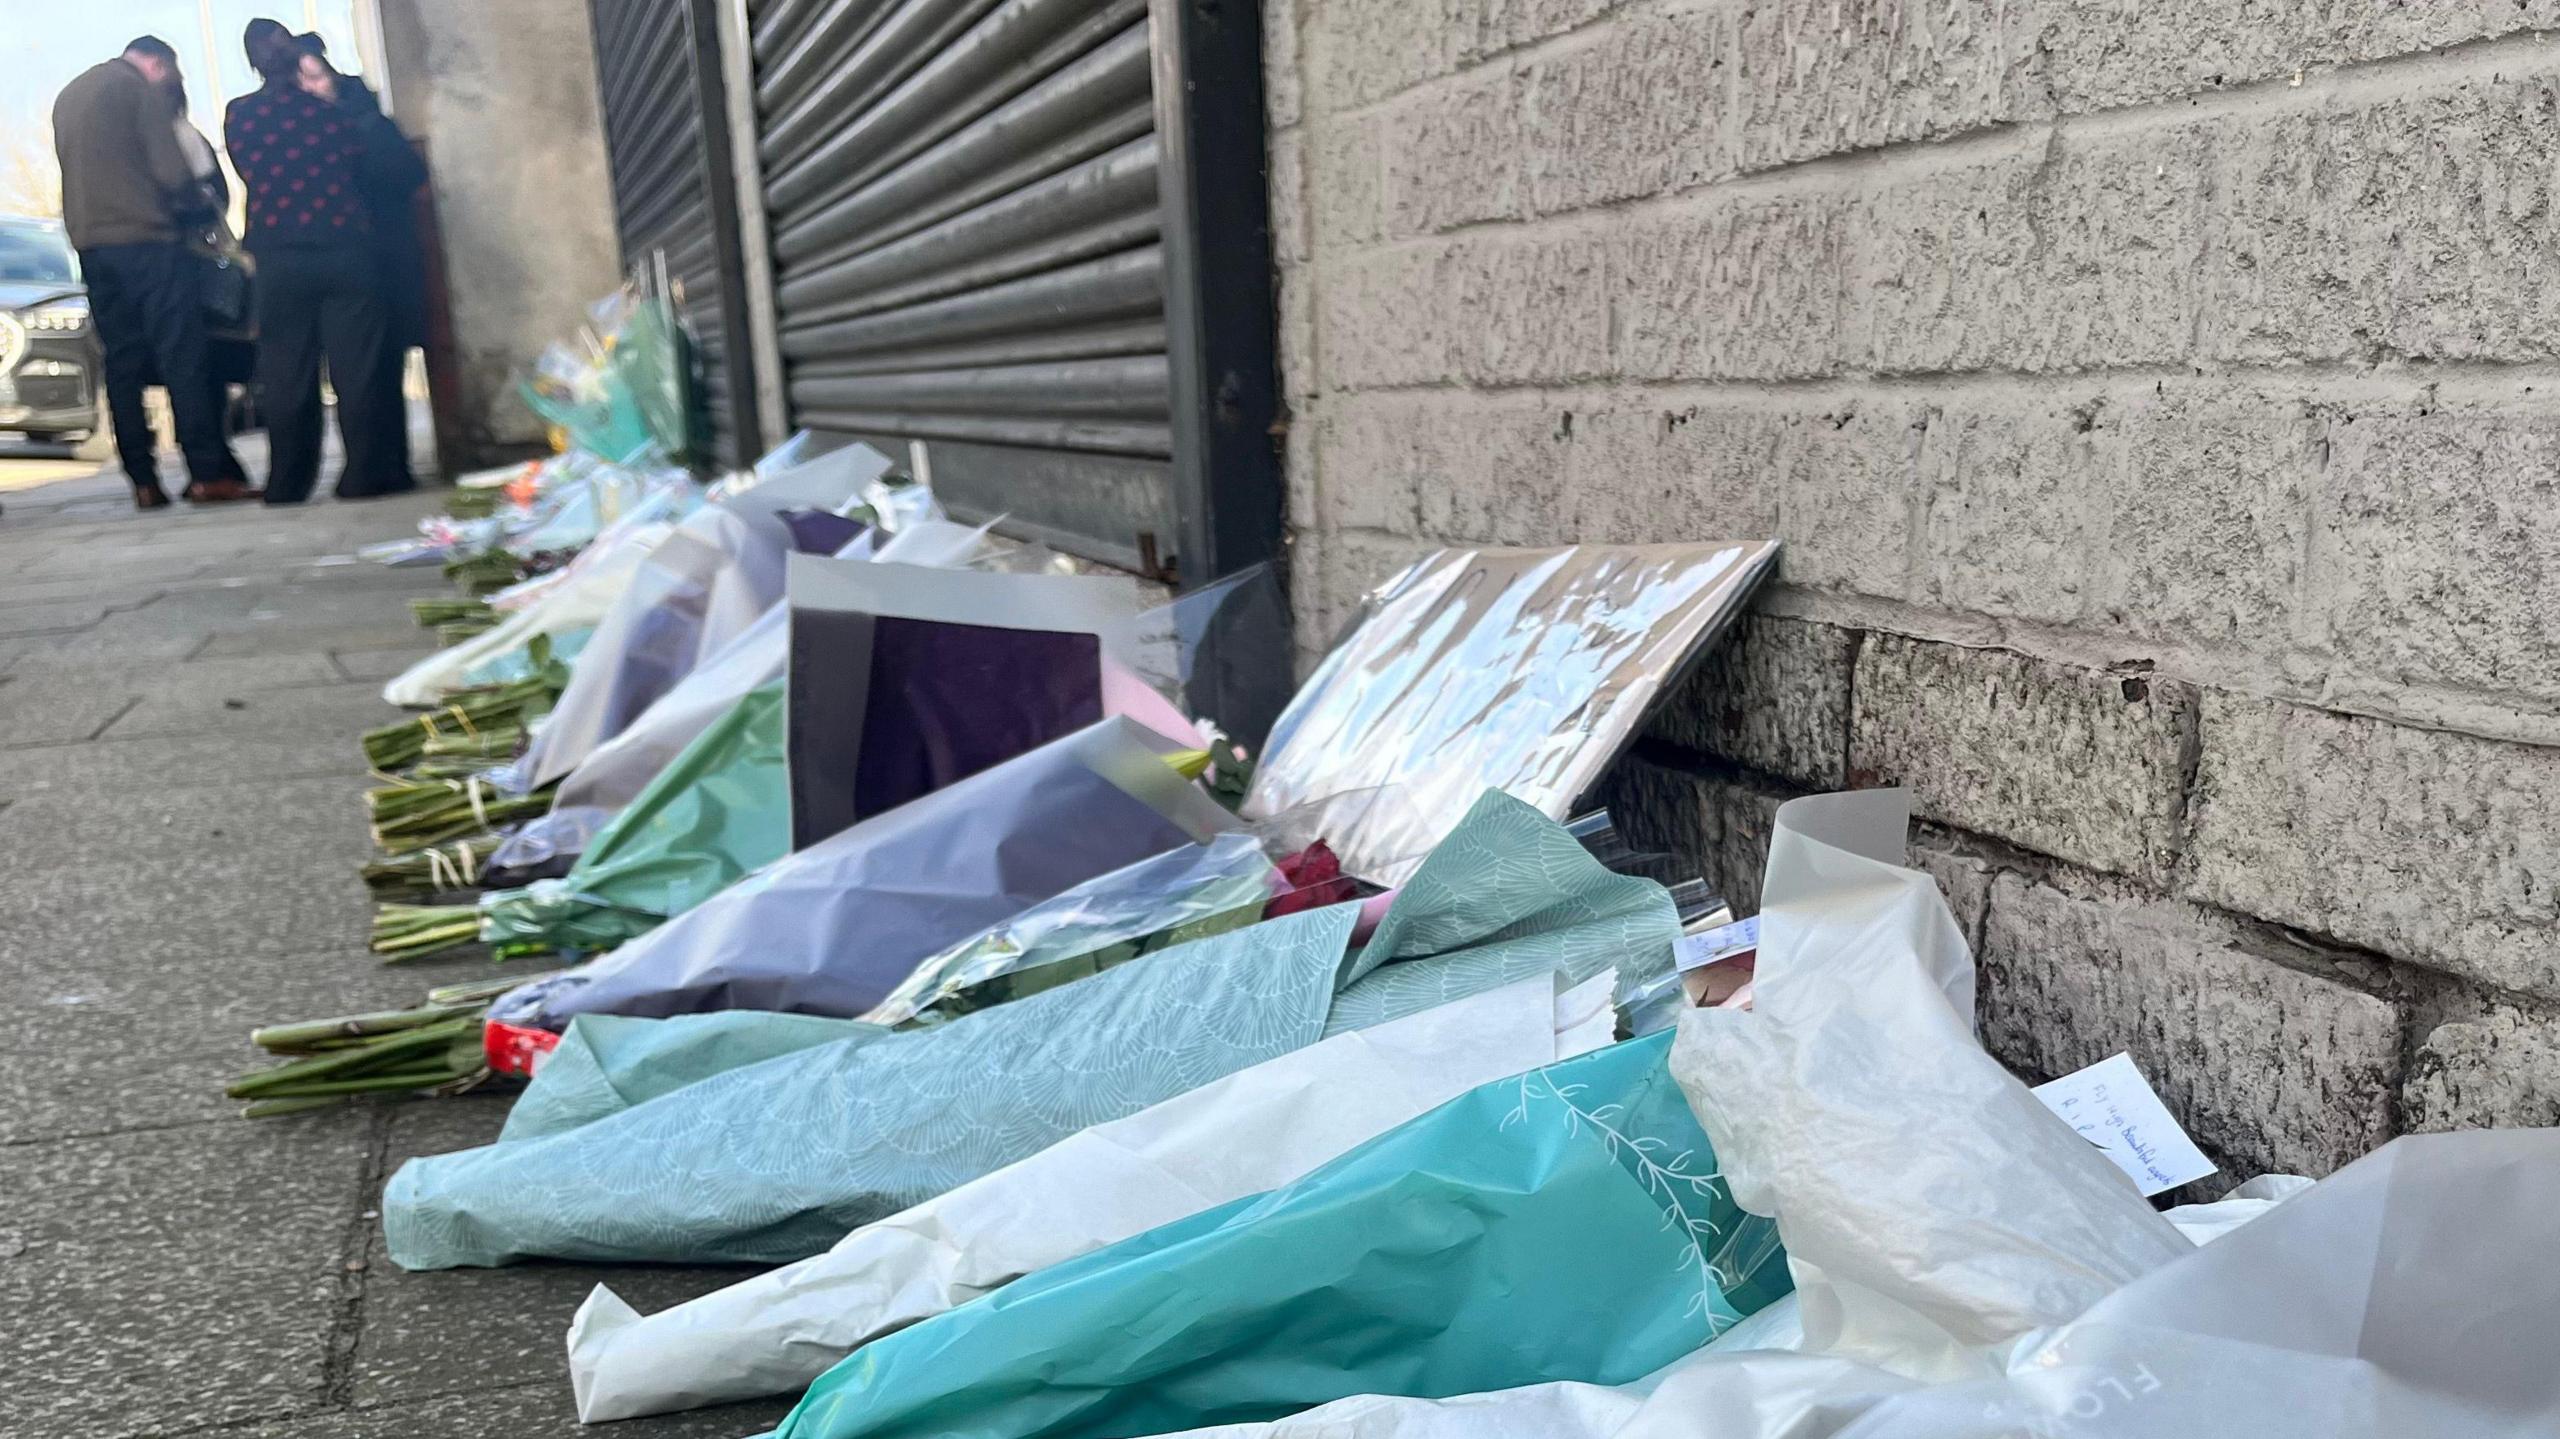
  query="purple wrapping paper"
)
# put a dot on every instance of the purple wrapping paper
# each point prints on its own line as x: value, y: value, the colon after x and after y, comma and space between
x: 832, y: 929
x: 950, y: 700
x: 906, y: 680
x: 884, y: 711
x: 821, y: 532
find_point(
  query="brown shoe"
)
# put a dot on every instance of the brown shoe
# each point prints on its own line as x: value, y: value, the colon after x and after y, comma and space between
x: 217, y: 492
x: 150, y: 497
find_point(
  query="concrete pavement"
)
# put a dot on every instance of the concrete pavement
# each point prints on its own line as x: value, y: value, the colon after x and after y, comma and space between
x: 180, y: 695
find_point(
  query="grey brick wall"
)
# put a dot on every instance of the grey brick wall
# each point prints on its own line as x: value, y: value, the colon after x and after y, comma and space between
x: 2160, y: 406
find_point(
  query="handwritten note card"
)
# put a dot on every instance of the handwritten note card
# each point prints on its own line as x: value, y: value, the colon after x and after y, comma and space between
x: 1697, y: 951
x: 2114, y: 1108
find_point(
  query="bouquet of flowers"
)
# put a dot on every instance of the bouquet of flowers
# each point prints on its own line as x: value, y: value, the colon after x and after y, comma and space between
x: 475, y: 721
x: 435, y: 869
x: 716, y: 813
x: 433, y: 610
x: 414, y: 814
x: 433, y: 1048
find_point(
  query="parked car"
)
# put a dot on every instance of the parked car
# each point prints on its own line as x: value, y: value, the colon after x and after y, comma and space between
x: 49, y: 358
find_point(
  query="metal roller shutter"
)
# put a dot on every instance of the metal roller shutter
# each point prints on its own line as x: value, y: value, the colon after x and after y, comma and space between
x: 968, y: 205
x: 666, y: 136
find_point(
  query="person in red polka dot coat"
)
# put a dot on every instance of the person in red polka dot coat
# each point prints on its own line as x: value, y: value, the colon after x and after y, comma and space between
x: 304, y: 161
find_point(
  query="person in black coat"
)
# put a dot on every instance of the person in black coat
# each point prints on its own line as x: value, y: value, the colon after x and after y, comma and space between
x: 399, y: 259
x: 308, y: 162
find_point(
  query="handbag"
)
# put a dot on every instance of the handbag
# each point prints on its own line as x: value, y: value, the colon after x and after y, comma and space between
x: 224, y: 287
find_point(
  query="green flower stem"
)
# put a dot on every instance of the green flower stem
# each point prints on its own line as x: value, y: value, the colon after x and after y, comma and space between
x: 464, y: 714
x: 270, y: 1108
x: 476, y: 503
x: 403, y: 931
x: 442, y: 869
x: 500, y: 741
x: 418, y: 1078
x: 432, y: 610
x: 415, y: 816
x: 486, y: 571
x: 348, y: 1030
x: 393, y: 1052
x: 480, y: 991
x: 429, y: 945
x: 351, y: 1062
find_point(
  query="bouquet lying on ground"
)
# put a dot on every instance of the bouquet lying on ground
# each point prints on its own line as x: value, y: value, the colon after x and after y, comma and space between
x: 433, y: 610
x: 416, y: 931
x: 415, y: 814
x: 488, y: 720
x: 474, y: 504
x: 484, y: 573
x: 435, y: 1047
x: 720, y: 810
x: 452, y: 868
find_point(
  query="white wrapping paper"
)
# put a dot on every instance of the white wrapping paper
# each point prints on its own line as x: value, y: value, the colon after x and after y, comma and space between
x: 699, y: 589
x: 779, y: 1331
x: 614, y: 773
x: 585, y: 593
x: 1968, y: 1268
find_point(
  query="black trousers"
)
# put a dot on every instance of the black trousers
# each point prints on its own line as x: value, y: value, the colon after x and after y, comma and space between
x: 150, y: 319
x: 320, y: 302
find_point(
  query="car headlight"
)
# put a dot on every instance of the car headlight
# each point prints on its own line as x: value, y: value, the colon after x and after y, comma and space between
x: 62, y: 317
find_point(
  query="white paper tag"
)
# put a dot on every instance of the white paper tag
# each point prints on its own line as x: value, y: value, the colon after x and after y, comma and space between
x: 2115, y: 1108
x: 1697, y: 951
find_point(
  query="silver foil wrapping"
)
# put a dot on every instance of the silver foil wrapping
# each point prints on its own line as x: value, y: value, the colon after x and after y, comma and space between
x: 1527, y: 671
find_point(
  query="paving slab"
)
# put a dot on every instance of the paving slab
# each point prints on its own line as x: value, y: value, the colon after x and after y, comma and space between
x: 192, y: 925
x: 261, y: 610
x: 532, y: 1412
x: 63, y: 615
x: 334, y: 713
x: 326, y: 572
x: 117, y: 1035
x: 29, y: 716
x: 106, y: 1049
x: 16, y: 591
x: 295, y: 823
x: 107, y: 766
x: 376, y: 665
x: 104, y: 1064
x: 177, y: 914
x: 165, y: 1281
x: 65, y: 558
x: 51, y: 675
x: 72, y: 702
x: 86, y: 649
x: 180, y: 701
x: 383, y: 633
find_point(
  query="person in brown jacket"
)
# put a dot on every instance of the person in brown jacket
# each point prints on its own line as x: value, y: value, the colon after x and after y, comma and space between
x: 128, y: 198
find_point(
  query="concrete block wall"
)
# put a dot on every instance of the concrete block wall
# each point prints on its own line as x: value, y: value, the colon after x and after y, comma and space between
x: 2160, y: 406
x: 503, y: 95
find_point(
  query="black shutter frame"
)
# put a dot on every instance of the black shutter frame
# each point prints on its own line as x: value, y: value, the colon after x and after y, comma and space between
x: 1219, y: 302
x: 744, y: 420
x: 664, y: 102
